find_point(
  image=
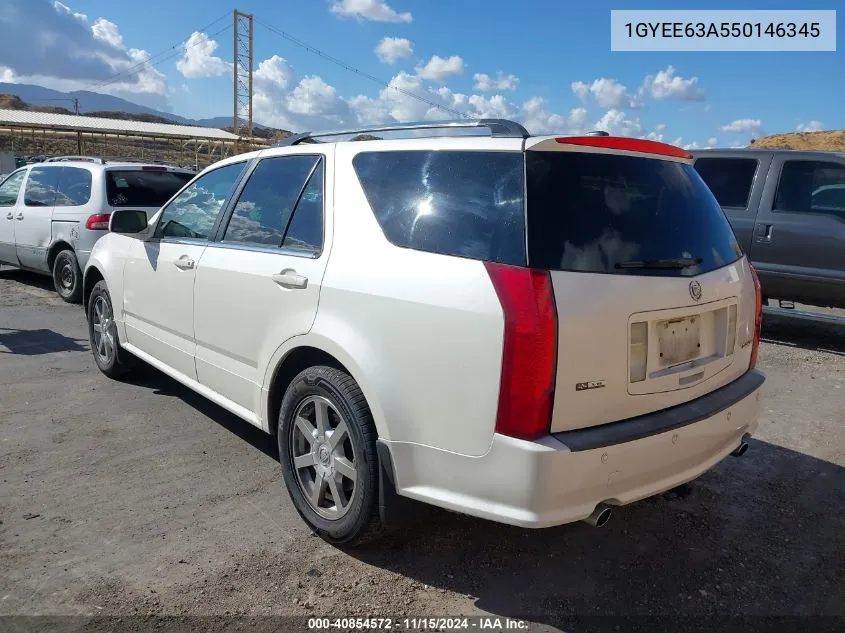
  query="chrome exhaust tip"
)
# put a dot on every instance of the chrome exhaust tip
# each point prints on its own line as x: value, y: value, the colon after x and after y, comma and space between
x: 740, y: 450
x: 600, y: 516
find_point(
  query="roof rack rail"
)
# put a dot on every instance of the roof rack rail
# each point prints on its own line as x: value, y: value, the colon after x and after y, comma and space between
x: 89, y: 159
x: 497, y: 127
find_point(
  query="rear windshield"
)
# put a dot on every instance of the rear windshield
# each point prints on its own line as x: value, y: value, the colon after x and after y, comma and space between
x: 138, y: 188
x: 605, y: 213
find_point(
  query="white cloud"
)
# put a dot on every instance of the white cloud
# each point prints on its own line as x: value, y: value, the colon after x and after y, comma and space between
x: 63, y: 8
x: 617, y: 123
x: 72, y: 55
x: 392, y: 49
x: 712, y: 141
x: 314, y: 97
x: 439, y: 68
x: 812, y: 126
x: 744, y: 126
x: 198, y: 59
x: 666, y: 85
x: 375, y: 10
x: 657, y: 133
x: 486, y: 83
x: 607, y: 93
x: 274, y: 72
x: 107, y: 32
x: 539, y: 120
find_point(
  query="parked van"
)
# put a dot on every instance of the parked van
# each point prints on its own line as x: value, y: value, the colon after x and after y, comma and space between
x: 52, y: 213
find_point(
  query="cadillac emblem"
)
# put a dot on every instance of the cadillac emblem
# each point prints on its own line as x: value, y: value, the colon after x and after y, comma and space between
x: 695, y: 290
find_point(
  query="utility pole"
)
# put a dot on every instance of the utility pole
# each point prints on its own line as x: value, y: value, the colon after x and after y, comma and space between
x: 242, y: 71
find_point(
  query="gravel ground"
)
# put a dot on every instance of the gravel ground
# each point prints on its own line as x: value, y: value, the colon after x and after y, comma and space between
x: 141, y: 498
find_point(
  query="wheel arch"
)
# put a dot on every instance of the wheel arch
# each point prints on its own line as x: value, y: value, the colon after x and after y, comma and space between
x: 57, y: 247
x: 90, y: 278
x: 306, y: 351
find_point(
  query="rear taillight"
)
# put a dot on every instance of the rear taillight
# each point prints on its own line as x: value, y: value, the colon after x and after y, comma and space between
x: 98, y: 221
x: 529, y: 357
x: 758, y: 316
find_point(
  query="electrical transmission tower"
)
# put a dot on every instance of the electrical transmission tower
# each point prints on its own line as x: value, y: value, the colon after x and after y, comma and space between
x: 242, y: 58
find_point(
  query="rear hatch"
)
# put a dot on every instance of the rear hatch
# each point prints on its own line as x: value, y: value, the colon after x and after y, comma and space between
x: 143, y: 187
x: 656, y: 304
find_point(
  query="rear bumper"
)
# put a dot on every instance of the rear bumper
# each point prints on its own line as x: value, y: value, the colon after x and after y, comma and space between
x: 545, y: 483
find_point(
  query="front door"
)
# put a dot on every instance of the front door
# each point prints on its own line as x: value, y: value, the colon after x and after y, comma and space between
x: 260, y: 284
x: 158, y: 296
x: 9, y: 195
x: 34, y: 220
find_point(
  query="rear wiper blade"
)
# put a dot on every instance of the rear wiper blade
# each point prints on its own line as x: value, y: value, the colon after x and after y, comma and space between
x: 676, y: 263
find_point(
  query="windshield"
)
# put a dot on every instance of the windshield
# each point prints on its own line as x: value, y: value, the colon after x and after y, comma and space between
x: 605, y: 213
x: 138, y: 188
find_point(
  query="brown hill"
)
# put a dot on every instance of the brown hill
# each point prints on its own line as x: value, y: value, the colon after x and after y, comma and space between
x: 832, y: 141
x: 13, y: 102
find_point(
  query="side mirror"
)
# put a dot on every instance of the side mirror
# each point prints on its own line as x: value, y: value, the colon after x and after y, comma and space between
x: 128, y: 222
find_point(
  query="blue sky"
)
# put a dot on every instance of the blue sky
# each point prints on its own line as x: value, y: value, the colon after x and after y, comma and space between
x: 547, y: 63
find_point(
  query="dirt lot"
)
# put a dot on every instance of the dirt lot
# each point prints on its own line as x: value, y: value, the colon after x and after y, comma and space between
x: 141, y: 498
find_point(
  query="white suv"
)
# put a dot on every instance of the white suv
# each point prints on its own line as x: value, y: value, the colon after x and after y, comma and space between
x: 528, y: 329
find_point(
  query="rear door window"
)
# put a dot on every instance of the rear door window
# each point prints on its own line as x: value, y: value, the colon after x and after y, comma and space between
x: 811, y: 186
x: 74, y: 187
x: 730, y: 179
x: 605, y: 213
x: 143, y: 188
x: 41, y: 186
x: 460, y: 203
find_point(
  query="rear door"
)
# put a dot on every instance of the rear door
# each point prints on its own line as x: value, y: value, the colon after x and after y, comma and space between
x: 259, y: 285
x: 799, y: 239
x: 737, y: 183
x: 33, y: 220
x: 655, y: 301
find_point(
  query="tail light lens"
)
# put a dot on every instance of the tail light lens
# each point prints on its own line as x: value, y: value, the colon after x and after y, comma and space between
x: 529, y: 357
x: 98, y: 221
x: 758, y: 316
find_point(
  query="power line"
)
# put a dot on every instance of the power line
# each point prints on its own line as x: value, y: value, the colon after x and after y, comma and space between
x: 357, y: 71
x: 173, y: 50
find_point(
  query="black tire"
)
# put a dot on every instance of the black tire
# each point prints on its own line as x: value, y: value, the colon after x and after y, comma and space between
x: 67, y: 278
x: 361, y: 522
x: 118, y: 362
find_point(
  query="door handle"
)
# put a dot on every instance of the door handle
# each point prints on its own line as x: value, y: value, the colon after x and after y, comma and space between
x: 20, y: 215
x: 763, y: 232
x: 289, y: 278
x: 184, y: 263
x: 10, y: 216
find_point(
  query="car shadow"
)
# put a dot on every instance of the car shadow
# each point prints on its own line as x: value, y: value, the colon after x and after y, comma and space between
x: 810, y: 335
x: 37, y: 342
x: 749, y: 539
x: 42, y: 282
x: 161, y: 384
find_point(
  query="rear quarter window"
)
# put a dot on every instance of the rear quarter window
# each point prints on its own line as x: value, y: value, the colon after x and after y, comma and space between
x: 606, y: 213
x: 730, y: 179
x: 460, y: 203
